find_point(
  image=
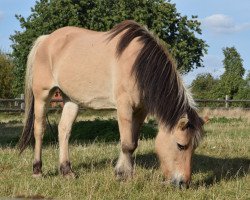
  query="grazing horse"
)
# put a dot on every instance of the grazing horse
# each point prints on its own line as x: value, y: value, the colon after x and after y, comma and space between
x: 125, y: 68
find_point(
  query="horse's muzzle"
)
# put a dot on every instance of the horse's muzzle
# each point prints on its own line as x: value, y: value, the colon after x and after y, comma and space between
x: 180, y: 183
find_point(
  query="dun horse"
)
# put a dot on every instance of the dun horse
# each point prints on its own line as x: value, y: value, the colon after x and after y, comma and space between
x: 125, y: 68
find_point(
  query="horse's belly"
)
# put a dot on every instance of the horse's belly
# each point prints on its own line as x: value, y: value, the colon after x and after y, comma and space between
x: 90, y: 85
x: 98, y: 102
x: 96, y: 94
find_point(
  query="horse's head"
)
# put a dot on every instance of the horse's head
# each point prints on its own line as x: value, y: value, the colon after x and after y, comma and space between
x: 175, y: 148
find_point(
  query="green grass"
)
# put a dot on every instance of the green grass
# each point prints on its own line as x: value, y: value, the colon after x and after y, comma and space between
x: 221, y: 163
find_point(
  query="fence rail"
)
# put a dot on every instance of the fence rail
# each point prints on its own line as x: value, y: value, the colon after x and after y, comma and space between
x: 220, y: 101
x: 17, y: 105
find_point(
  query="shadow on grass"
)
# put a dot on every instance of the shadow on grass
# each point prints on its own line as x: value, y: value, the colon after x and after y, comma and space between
x: 83, y: 132
x: 147, y: 161
x: 217, y: 168
x: 94, y: 165
x: 9, y: 134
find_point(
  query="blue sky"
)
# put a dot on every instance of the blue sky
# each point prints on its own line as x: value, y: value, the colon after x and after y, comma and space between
x: 225, y: 23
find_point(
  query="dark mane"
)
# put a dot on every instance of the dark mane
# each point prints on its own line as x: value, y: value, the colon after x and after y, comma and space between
x: 156, y: 74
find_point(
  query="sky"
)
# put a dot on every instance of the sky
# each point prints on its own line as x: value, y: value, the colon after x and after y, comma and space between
x: 224, y: 23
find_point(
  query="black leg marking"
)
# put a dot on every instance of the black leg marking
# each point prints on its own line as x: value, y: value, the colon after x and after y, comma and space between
x: 65, y: 168
x: 37, y: 167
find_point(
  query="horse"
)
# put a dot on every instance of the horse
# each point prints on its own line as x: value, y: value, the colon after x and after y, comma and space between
x: 126, y: 68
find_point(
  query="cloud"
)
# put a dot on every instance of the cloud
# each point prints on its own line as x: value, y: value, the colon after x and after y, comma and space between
x: 220, y: 24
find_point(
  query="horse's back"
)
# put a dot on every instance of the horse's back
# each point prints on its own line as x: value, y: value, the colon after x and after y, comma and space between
x: 82, y: 65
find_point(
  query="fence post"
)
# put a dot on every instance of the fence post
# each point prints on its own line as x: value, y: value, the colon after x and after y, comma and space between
x: 16, y: 103
x: 22, y: 103
x: 227, y: 103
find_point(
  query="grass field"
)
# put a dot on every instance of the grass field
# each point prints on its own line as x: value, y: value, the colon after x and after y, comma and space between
x: 220, y: 171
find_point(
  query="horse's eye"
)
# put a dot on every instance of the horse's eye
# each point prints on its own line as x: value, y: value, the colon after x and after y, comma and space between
x: 189, y: 126
x: 181, y: 147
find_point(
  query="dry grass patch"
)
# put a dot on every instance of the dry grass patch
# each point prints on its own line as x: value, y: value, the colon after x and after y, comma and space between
x: 234, y: 113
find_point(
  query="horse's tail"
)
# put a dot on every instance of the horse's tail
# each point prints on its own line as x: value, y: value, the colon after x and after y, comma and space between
x: 28, y: 129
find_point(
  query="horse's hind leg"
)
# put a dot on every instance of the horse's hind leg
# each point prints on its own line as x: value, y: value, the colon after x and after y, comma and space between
x: 40, y: 104
x: 69, y: 114
x: 129, y: 125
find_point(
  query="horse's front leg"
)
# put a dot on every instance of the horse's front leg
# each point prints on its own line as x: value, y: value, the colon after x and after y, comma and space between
x: 129, y: 121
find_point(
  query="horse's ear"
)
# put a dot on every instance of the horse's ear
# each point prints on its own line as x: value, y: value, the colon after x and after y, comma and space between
x: 183, y: 122
x: 206, y: 119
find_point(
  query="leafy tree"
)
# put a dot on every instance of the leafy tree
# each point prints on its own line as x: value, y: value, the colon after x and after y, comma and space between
x: 244, y: 90
x: 230, y: 83
x: 232, y: 78
x: 6, y: 76
x: 203, y: 85
x: 178, y: 32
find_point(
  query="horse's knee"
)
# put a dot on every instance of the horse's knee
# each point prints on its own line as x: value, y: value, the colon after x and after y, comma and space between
x: 129, y: 147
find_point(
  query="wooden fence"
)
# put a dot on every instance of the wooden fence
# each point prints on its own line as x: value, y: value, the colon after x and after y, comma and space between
x: 17, y: 105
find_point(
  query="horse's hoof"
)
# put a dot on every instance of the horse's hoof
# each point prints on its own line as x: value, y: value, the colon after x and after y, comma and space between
x: 66, y: 171
x: 38, y: 175
x: 122, y: 175
x: 70, y: 175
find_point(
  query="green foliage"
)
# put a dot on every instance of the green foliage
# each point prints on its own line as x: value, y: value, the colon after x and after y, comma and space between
x: 203, y: 85
x: 6, y: 76
x: 178, y: 32
x: 244, y: 91
x: 230, y: 83
x: 232, y: 78
x: 224, y: 120
x: 233, y: 62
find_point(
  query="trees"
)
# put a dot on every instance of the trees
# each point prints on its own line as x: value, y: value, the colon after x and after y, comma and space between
x: 244, y: 90
x: 203, y: 85
x: 232, y: 78
x: 231, y: 82
x: 178, y: 32
x: 6, y: 76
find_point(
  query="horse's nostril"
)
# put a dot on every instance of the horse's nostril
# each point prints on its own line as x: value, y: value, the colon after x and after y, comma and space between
x: 183, y: 185
x: 180, y: 183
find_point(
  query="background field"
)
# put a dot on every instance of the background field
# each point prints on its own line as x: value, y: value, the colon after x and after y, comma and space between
x: 221, y: 162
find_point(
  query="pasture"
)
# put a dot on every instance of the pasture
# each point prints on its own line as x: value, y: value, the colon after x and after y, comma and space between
x: 220, y: 164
